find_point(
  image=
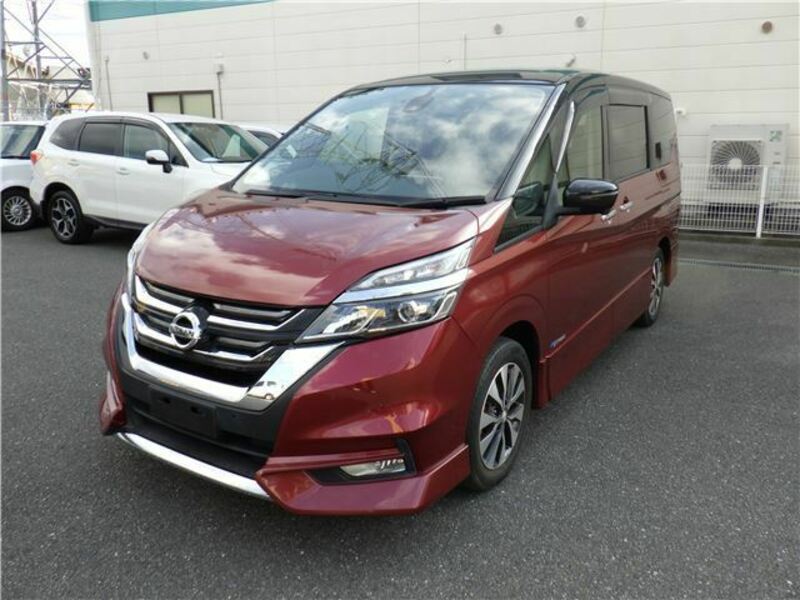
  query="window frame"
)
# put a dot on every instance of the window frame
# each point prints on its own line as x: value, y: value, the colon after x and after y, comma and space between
x: 607, y: 141
x: 176, y: 156
x: 180, y: 94
x: 558, y: 119
x: 659, y: 163
x: 605, y: 165
x: 100, y: 121
x: 81, y: 121
x: 598, y: 97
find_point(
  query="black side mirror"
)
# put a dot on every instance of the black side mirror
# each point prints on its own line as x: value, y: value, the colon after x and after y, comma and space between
x: 158, y: 157
x: 589, y: 196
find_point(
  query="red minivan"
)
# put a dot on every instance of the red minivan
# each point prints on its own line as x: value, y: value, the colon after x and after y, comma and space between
x: 366, y: 316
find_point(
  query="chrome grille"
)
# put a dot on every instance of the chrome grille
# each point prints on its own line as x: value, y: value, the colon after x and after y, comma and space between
x: 238, y: 337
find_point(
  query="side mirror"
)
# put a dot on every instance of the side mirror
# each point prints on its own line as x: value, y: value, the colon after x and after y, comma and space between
x: 589, y: 196
x: 158, y: 157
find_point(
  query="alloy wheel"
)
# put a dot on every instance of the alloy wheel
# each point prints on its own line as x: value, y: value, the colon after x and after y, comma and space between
x: 656, y: 286
x: 501, y: 415
x: 17, y: 211
x: 64, y: 218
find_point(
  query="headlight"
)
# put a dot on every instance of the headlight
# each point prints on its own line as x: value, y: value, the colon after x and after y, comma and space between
x: 409, y: 295
x: 132, y: 254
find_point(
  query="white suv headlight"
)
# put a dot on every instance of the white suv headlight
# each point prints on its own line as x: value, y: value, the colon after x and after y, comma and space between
x: 415, y: 293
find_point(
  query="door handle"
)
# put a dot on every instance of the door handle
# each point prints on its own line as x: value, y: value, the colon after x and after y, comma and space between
x: 627, y: 205
x: 72, y: 162
x: 123, y: 171
x: 606, y: 218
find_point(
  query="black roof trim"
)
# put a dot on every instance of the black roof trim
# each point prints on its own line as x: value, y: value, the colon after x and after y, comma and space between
x: 574, y: 79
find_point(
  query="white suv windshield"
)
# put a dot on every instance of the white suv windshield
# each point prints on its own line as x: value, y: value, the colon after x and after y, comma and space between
x: 17, y: 141
x: 215, y: 142
x: 403, y: 143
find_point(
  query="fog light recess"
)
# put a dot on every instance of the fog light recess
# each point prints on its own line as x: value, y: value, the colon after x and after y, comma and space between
x: 391, y: 466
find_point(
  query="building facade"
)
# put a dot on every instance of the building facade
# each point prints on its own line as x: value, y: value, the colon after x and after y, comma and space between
x: 725, y: 64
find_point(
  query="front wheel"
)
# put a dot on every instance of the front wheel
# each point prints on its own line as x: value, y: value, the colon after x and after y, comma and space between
x: 66, y: 219
x: 17, y: 210
x: 657, y: 282
x: 501, y: 403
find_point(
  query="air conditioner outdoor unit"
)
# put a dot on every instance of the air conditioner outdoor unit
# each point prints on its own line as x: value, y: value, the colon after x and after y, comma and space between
x: 736, y: 158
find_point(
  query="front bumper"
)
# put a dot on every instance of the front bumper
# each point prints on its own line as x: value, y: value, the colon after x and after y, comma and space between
x: 193, y: 466
x: 36, y: 193
x: 402, y: 396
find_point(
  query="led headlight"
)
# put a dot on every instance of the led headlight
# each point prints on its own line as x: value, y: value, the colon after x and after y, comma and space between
x: 409, y: 295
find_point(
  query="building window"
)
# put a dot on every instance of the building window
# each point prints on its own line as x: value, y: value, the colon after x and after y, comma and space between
x: 182, y: 103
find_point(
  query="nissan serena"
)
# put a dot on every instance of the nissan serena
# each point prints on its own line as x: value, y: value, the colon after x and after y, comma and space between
x: 366, y: 316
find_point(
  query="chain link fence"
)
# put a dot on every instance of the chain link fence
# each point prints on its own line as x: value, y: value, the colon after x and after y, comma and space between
x: 756, y: 200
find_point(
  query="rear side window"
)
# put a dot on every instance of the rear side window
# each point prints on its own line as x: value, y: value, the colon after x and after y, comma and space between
x: 66, y: 134
x: 100, y: 138
x: 139, y: 139
x: 627, y: 140
x: 17, y: 141
x: 662, y: 131
x: 265, y: 137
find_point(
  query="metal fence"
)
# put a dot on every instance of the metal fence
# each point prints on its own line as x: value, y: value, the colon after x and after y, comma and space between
x: 760, y: 200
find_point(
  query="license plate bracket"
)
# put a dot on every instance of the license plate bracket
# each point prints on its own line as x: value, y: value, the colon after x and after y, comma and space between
x: 183, y: 414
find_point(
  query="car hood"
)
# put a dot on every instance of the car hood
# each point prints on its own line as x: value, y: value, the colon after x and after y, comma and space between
x: 288, y: 251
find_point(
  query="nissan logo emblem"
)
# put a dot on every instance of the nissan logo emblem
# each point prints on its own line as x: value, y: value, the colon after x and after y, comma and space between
x: 186, y: 329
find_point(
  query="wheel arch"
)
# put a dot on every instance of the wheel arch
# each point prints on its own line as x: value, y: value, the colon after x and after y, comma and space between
x: 16, y: 188
x: 48, y: 193
x: 521, y: 319
x: 666, y: 247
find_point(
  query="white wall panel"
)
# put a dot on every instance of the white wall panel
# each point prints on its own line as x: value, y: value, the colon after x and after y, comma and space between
x: 631, y: 16
x: 283, y: 58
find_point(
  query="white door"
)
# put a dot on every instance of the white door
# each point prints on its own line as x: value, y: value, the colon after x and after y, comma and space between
x: 145, y: 191
x: 93, y: 166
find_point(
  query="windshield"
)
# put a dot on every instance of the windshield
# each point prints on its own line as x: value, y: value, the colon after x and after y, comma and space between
x: 17, y: 141
x: 216, y: 142
x: 404, y: 143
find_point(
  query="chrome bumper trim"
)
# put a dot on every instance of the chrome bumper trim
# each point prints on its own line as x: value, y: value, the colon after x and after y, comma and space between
x: 234, y: 481
x: 287, y: 370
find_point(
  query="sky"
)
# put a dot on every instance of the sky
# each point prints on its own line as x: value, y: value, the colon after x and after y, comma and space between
x: 65, y: 23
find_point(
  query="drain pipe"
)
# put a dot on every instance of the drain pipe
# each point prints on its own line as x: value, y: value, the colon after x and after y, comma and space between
x: 219, y: 69
x: 108, y: 84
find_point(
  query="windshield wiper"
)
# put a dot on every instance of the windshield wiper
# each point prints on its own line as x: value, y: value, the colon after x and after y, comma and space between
x: 447, y: 202
x: 408, y: 202
x: 276, y: 193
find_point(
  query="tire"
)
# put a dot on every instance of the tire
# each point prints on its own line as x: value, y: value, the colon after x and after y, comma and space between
x: 657, y: 282
x: 17, y: 210
x: 66, y: 219
x: 493, y: 427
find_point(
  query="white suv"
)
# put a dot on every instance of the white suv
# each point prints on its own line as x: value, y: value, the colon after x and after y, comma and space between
x: 17, y: 140
x: 126, y: 169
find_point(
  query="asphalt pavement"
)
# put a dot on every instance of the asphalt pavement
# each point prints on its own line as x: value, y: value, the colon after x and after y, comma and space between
x: 669, y: 469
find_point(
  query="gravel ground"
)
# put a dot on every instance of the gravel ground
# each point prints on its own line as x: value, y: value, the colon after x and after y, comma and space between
x: 669, y: 469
